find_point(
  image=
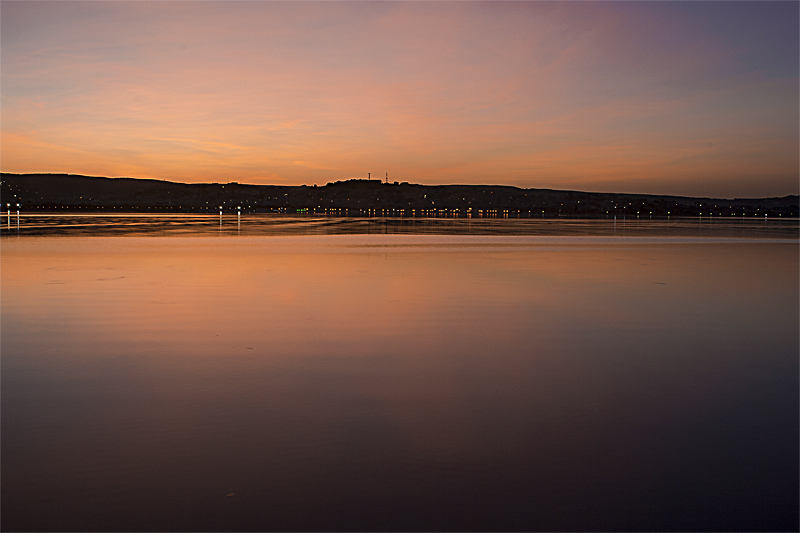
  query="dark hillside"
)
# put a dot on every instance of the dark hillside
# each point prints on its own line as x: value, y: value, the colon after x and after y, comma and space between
x: 58, y: 192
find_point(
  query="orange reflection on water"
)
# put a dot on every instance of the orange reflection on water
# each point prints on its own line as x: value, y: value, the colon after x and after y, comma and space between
x: 309, y: 295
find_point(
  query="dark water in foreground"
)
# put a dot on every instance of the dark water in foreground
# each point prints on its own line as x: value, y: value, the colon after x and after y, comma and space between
x: 505, y: 379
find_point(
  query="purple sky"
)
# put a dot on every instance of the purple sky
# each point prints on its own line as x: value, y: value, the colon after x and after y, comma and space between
x: 690, y: 98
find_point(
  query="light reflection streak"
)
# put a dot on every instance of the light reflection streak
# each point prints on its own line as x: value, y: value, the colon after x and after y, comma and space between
x: 277, y: 224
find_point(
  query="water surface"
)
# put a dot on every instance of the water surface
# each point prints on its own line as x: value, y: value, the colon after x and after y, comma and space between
x: 573, y: 380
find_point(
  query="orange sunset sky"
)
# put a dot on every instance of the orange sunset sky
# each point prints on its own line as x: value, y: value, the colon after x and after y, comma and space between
x: 688, y: 98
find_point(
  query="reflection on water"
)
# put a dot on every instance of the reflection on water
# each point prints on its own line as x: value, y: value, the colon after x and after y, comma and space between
x: 399, y: 382
x: 251, y: 225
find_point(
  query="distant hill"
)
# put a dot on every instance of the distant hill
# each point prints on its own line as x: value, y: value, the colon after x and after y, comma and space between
x: 59, y: 192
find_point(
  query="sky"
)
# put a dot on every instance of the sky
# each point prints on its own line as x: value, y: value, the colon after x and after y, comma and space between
x: 686, y: 98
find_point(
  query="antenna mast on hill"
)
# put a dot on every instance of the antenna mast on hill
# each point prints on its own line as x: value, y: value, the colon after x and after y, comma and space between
x: 368, y: 176
x: 387, y: 177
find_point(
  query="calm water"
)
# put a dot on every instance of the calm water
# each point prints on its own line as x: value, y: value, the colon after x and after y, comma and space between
x: 286, y: 374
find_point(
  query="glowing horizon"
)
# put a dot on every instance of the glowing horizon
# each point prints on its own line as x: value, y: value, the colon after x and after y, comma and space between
x: 692, y: 99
